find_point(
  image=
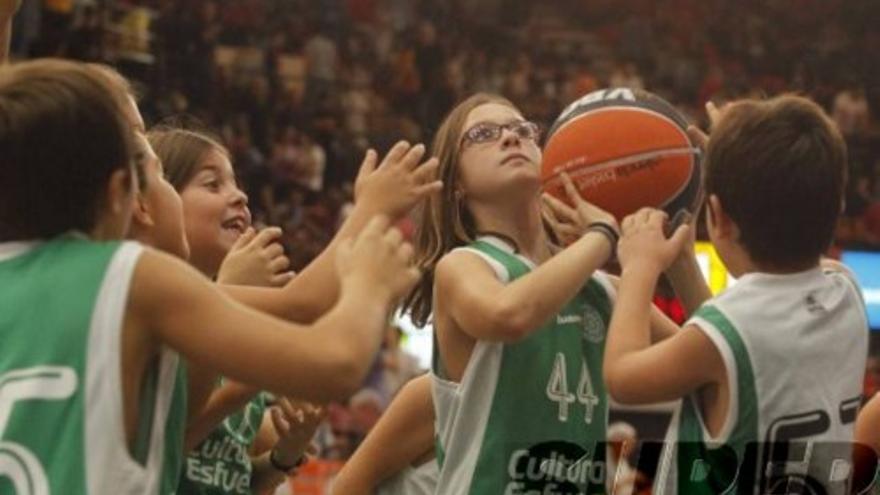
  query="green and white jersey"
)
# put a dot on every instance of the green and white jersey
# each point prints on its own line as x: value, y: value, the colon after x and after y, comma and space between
x: 62, y: 305
x: 528, y: 417
x: 221, y: 464
x: 794, y: 347
x: 175, y: 429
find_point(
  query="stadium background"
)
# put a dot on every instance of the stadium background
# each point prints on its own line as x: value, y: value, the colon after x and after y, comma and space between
x: 299, y: 89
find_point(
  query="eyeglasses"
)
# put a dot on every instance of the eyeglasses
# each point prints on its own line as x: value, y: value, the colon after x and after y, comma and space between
x: 487, y: 132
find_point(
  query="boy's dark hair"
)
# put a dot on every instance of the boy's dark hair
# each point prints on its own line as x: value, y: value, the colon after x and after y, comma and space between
x: 779, y: 168
x: 62, y: 135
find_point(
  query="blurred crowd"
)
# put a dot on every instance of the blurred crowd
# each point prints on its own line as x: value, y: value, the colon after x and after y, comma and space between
x: 348, y: 424
x: 298, y: 90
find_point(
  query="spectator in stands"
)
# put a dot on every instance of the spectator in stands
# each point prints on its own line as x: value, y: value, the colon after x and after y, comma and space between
x: 376, y: 70
x: 850, y: 111
x: 322, y: 59
x: 398, y: 365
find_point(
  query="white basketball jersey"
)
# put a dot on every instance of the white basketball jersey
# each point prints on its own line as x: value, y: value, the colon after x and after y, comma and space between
x: 794, y: 347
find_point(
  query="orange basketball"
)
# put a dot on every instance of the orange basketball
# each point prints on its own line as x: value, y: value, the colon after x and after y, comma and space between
x: 624, y: 149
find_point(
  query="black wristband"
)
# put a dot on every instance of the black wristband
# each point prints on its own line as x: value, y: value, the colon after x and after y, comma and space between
x: 283, y: 468
x: 608, y: 231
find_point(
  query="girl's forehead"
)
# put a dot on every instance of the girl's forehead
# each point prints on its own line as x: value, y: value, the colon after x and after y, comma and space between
x: 492, y: 112
x: 214, y: 160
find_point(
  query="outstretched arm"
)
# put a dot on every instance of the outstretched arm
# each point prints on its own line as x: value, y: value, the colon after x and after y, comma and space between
x: 487, y: 309
x: 403, y: 435
x: 320, y: 362
x: 635, y: 371
x: 684, y: 272
x: 392, y: 189
x: 256, y: 258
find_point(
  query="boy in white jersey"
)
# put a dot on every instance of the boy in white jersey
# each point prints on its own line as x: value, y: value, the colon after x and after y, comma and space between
x: 770, y: 371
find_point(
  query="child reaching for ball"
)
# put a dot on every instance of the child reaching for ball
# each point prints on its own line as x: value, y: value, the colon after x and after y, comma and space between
x: 94, y: 394
x: 769, y: 371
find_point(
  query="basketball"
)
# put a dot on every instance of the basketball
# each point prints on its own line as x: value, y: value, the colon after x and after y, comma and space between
x: 624, y: 150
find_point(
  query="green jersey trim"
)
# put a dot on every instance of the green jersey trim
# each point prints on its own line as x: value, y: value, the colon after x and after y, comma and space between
x: 472, y: 414
x: 105, y: 438
x: 148, y: 393
x: 704, y: 462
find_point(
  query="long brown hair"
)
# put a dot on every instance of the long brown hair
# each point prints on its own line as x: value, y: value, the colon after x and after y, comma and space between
x: 445, y: 221
x: 181, y: 150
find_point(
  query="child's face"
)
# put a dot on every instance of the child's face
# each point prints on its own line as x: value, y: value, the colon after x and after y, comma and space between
x: 215, y: 212
x: 490, y: 167
x: 164, y: 206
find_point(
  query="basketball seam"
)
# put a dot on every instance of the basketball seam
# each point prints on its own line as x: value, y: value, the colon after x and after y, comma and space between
x: 625, y: 108
x: 618, y: 162
x: 685, y: 184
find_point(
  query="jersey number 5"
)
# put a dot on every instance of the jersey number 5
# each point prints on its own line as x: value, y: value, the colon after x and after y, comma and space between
x: 17, y: 463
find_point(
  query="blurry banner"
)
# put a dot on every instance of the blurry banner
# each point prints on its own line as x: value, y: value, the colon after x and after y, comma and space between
x: 866, y: 266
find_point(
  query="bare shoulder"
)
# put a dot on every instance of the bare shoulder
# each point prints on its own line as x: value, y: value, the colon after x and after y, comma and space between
x: 418, y: 388
x: 868, y: 424
x: 161, y: 279
x: 456, y: 258
x: 156, y: 269
x: 871, y: 410
x: 461, y: 264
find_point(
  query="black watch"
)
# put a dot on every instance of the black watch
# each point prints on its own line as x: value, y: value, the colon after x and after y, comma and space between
x: 285, y: 468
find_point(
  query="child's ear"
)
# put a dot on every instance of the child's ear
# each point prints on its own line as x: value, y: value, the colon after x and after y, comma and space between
x: 717, y: 221
x: 119, y: 191
x: 141, y: 214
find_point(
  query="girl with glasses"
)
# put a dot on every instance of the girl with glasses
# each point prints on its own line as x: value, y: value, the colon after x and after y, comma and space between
x: 519, y: 323
x: 518, y: 398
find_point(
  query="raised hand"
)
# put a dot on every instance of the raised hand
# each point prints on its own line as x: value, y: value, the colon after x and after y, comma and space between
x: 295, y: 422
x: 569, y: 223
x: 398, y: 183
x: 256, y: 258
x: 700, y: 138
x: 377, y: 260
x: 643, y: 242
